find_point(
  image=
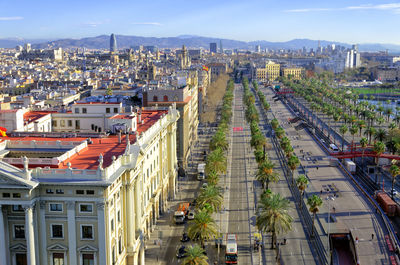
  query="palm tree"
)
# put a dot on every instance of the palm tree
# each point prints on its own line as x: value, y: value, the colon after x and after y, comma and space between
x: 388, y: 112
x: 266, y: 174
x: 195, y: 256
x: 379, y: 149
x: 274, y: 123
x: 258, y: 140
x: 369, y: 132
x: 216, y: 161
x: 314, y: 202
x: 259, y: 155
x: 285, y: 141
x: 212, y: 178
x: 212, y: 196
x: 380, y: 135
x: 353, y: 131
x: 293, y: 163
x: 219, y: 140
x: 288, y: 149
x: 302, y: 182
x: 394, y: 171
x: 203, y: 227
x: 279, y: 132
x: 364, y: 144
x: 361, y: 125
x: 343, y: 129
x: 273, y: 216
x: 266, y: 193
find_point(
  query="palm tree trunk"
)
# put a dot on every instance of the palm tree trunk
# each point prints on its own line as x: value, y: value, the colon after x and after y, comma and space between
x: 342, y: 141
x: 301, y: 199
x: 273, y: 239
x: 313, y: 221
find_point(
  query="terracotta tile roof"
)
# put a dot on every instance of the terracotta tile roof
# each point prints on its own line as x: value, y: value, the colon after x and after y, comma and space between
x: 31, y: 116
x: 109, y: 147
x: 93, y: 103
x: 122, y: 117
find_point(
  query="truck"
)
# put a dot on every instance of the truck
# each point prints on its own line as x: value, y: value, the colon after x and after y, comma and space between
x: 231, y: 254
x: 200, y: 171
x: 181, y: 213
x: 386, y: 203
x: 350, y: 165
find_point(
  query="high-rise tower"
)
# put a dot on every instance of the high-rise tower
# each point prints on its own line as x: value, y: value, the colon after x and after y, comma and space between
x: 113, y: 43
x: 213, y: 47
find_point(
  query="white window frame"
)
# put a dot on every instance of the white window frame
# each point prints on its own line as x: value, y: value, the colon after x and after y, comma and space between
x: 85, y: 204
x: 62, y: 207
x: 51, y: 231
x: 81, y: 235
x: 14, y: 237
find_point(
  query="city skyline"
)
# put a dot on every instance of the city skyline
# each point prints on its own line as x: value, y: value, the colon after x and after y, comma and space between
x: 365, y: 22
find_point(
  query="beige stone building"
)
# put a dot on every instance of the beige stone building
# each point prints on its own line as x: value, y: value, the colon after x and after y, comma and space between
x: 79, y: 200
x: 186, y: 100
x: 270, y: 73
x: 293, y: 72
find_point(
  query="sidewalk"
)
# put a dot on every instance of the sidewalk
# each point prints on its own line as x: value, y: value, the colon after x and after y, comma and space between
x: 164, y: 241
x: 351, y: 209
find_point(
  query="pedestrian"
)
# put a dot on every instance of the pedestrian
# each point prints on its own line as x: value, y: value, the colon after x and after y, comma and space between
x: 284, y: 241
x: 317, y: 167
x: 372, y: 237
x: 356, y: 240
x: 321, y: 192
x: 334, y: 209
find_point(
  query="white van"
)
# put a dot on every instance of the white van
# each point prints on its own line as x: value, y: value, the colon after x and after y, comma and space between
x: 200, y: 171
x: 333, y: 147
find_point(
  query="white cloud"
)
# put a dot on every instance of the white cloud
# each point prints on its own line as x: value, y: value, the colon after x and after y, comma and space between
x: 10, y: 18
x: 394, y: 7
x: 147, y: 23
x: 308, y: 10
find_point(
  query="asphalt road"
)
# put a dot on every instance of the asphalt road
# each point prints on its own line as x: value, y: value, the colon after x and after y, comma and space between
x: 241, y: 219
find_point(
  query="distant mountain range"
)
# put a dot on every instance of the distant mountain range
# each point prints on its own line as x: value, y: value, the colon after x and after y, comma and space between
x: 191, y: 41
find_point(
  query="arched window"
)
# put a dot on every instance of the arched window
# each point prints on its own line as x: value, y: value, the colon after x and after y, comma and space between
x: 155, y: 98
x: 165, y: 98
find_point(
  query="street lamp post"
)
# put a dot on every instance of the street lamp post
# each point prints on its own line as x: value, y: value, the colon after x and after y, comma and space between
x: 329, y: 198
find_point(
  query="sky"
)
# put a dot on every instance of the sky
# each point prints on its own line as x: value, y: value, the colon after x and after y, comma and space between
x: 350, y: 21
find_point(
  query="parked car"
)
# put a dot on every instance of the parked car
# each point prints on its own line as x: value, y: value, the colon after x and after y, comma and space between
x: 190, y: 215
x: 185, y: 238
x: 181, y: 253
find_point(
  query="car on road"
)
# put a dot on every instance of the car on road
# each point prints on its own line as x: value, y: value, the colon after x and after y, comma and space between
x: 190, y: 215
x: 185, y: 238
x: 181, y: 253
x: 334, y: 148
